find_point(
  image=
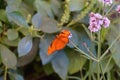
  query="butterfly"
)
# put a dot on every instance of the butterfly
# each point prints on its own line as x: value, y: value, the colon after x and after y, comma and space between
x: 59, y: 42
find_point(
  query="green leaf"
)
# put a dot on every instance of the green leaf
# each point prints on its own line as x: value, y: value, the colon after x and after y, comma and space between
x: 3, y: 16
x: 49, y: 8
x: 37, y: 20
x: 49, y: 25
x: 18, y: 18
x: 76, y: 5
x: 113, y: 32
x: 12, y: 34
x: 24, y: 60
x: 60, y: 64
x: 44, y: 43
x: 76, y: 61
x: 24, y: 46
x: 8, y: 58
x: 103, y: 63
x: 15, y: 76
x: 15, y: 3
x: 43, y: 8
x: 22, y: 8
x: 55, y: 6
x: 85, y: 42
x: 8, y: 42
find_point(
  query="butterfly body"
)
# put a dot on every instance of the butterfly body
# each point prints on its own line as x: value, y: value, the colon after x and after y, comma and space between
x: 59, y: 42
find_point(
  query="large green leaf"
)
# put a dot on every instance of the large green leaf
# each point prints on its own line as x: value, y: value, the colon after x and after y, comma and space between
x: 85, y: 43
x: 76, y: 5
x: 49, y: 25
x: 26, y: 59
x: 18, y: 18
x: 23, y: 8
x: 45, y: 24
x: 43, y: 7
x: 103, y: 64
x: 60, y: 64
x: 12, y: 34
x: 55, y: 6
x: 113, y: 32
x: 49, y: 8
x: 24, y: 46
x: 37, y: 20
x: 3, y: 16
x: 8, y: 58
x: 44, y: 43
x: 76, y: 61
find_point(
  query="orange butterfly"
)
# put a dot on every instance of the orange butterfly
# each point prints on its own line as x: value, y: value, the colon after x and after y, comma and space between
x: 59, y: 42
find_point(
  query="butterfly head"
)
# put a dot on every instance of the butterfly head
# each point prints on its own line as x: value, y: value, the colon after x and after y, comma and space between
x: 66, y: 33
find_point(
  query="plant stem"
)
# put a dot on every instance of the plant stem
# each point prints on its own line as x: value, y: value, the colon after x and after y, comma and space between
x: 98, y: 56
x: 109, y: 47
x: 83, y: 52
x: 99, y: 44
x: 98, y: 71
x: 109, y: 9
x: 106, y: 66
x: 5, y: 74
x: 87, y: 31
x: 73, y: 77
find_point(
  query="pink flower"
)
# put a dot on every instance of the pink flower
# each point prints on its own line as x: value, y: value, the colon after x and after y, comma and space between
x: 118, y: 9
x: 96, y: 21
x: 106, y: 2
x: 94, y: 27
x: 97, y: 18
x: 106, y: 22
x: 97, y: 15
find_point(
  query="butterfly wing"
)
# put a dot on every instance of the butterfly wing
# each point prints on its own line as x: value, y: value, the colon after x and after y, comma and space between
x: 51, y: 48
x: 61, y: 43
x: 57, y: 44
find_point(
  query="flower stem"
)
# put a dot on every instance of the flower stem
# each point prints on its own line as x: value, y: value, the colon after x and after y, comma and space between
x: 99, y: 54
x: 109, y: 47
x: 84, y: 52
x: 99, y: 44
x: 5, y: 74
x: 73, y: 77
x: 98, y: 71
x: 109, y: 9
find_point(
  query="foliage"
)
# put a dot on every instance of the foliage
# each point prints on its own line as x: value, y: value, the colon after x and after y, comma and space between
x: 27, y: 28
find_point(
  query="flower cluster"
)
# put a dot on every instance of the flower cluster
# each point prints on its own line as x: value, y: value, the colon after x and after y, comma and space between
x: 96, y: 21
x: 118, y: 9
x: 106, y: 2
